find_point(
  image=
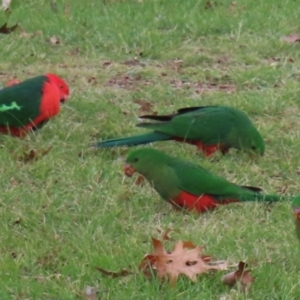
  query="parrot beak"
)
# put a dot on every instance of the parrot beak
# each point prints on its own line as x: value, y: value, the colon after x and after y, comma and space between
x: 129, y: 170
x: 296, y: 213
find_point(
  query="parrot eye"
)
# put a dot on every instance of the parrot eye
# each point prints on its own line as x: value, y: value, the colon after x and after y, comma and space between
x: 253, y: 148
x: 136, y: 159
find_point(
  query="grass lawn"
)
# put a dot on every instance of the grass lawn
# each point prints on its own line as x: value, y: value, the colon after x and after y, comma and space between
x: 73, y: 209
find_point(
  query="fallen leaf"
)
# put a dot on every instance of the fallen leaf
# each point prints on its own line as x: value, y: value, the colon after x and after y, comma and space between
x: 92, y: 81
x: 121, y: 273
x: 54, y: 40
x: 184, y: 259
x: 166, y: 235
x: 241, y: 277
x: 25, y: 34
x: 17, y: 221
x: 33, y: 155
x: 106, y: 63
x: 145, y: 106
x: 90, y: 293
x: 292, y: 38
x: 6, y: 30
x: 140, y: 180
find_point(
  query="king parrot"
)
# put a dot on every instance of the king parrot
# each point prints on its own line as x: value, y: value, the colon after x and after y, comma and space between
x: 296, y: 210
x: 186, y: 185
x: 30, y: 104
x: 210, y: 128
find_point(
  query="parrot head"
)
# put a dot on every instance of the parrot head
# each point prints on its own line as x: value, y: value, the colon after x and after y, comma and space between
x: 252, y: 141
x: 61, y: 85
x: 143, y: 161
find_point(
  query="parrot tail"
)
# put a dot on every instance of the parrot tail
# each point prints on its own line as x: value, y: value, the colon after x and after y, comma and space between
x: 262, y: 197
x: 134, y: 140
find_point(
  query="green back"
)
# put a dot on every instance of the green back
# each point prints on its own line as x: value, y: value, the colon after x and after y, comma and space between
x: 19, y: 104
x: 212, y: 125
x: 170, y: 176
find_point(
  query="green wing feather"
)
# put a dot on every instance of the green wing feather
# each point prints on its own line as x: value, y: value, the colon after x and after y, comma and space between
x: 210, y: 125
x: 20, y: 103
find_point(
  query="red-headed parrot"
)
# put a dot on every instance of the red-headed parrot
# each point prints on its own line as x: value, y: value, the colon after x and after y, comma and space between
x: 296, y: 210
x: 210, y: 128
x: 186, y: 185
x: 30, y: 104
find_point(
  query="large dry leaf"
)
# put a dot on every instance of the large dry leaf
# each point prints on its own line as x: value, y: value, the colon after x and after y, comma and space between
x: 242, y: 277
x: 185, y: 259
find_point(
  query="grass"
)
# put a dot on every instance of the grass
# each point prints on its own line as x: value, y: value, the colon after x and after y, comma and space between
x: 73, y: 209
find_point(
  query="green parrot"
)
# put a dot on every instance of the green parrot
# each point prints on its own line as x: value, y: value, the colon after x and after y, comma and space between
x: 186, y: 185
x: 210, y: 128
x: 296, y: 210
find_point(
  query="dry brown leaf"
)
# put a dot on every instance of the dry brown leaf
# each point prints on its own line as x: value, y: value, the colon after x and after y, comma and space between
x: 121, y: 273
x: 145, y: 106
x: 33, y: 155
x: 6, y: 30
x: 184, y: 259
x: 54, y: 40
x: 242, y: 277
x: 93, y: 81
x: 140, y: 180
x: 166, y: 235
x: 292, y: 38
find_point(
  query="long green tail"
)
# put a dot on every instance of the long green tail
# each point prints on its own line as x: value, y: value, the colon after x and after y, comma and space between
x: 256, y: 197
x: 134, y: 140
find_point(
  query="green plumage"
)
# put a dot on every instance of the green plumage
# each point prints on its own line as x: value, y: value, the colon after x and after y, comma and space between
x: 170, y: 175
x: 22, y: 94
x: 210, y: 125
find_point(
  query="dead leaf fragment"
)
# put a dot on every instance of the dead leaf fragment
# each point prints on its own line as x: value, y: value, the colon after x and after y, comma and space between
x: 145, y: 106
x: 121, y: 273
x: 93, y: 81
x: 53, y: 6
x: 33, y: 155
x: 185, y: 259
x: 140, y: 180
x: 292, y: 38
x: 90, y: 293
x: 242, y: 277
x: 54, y: 40
x: 7, y: 30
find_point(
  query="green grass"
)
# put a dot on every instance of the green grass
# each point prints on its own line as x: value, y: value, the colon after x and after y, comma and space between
x: 66, y: 213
